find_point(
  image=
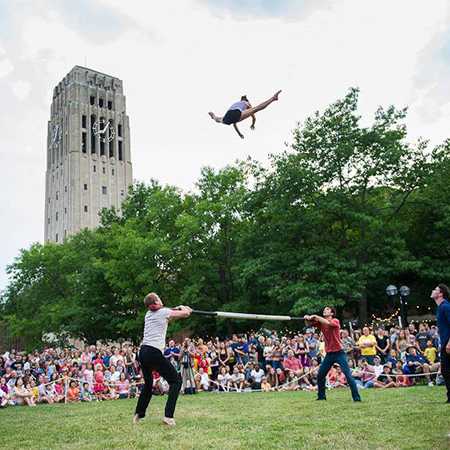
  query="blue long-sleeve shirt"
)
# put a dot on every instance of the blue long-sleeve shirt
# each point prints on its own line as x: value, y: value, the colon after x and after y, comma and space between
x: 443, y: 322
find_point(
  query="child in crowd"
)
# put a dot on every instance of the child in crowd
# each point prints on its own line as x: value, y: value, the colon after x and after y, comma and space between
x: 73, y: 393
x: 86, y: 393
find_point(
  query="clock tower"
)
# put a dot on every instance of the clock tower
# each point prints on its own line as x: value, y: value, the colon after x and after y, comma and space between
x: 88, y: 152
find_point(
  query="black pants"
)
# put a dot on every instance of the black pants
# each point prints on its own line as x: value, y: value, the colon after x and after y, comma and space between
x: 151, y: 359
x: 445, y: 369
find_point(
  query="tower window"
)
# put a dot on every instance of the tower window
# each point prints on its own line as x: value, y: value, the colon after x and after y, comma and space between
x: 102, y: 148
x: 65, y: 188
x: 57, y: 217
x: 111, y: 148
x: 100, y: 102
x: 85, y: 208
x: 65, y: 210
x: 49, y: 200
x: 48, y: 220
x: 112, y: 172
x: 119, y: 130
x: 109, y: 105
x: 57, y: 195
x: 104, y: 170
x: 83, y: 121
x: 122, y: 192
x: 84, y: 142
x: 104, y: 190
x: 92, y: 100
x: 65, y: 233
x: 120, y: 143
x: 85, y: 187
x: 56, y: 237
x: 95, y: 169
x: 93, y: 140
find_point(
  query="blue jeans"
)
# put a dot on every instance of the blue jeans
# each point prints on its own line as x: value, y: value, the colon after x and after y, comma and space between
x: 370, y: 359
x: 366, y: 385
x: 330, y: 359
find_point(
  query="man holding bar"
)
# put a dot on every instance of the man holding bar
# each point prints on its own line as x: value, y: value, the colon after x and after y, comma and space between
x: 334, y: 349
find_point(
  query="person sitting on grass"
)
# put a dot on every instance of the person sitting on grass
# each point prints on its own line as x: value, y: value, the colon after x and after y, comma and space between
x: 86, y: 393
x: 293, y: 363
x: 205, y: 382
x: 122, y: 386
x: 291, y: 383
x: 237, y: 380
x: 265, y: 386
x: 377, y: 367
x: 272, y: 379
x: 223, y: 380
x: 384, y: 380
x: 73, y: 393
x: 401, y: 380
x: 22, y: 396
x: 366, y: 377
x: 416, y: 363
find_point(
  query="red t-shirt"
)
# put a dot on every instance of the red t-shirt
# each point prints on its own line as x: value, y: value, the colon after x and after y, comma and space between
x: 331, y: 335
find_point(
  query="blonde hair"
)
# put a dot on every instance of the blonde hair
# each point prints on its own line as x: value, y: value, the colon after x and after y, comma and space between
x: 150, y: 299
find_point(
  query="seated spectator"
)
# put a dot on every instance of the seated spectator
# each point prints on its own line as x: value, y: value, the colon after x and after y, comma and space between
x: 384, y: 380
x: 122, y: 386
x: 422, y: 338
x: 378, y: 366
x: 401, y: 379
x: 257, y: 375
x: 291, y: 383
x: 86, y: 394
x: 336, y: 377
x: 366, y: 377
x: 313, y: 371
x: 73, y: 393
x: 134, y: 391
x: 293, y: 363
x: 21, y: 395
x: 237, y: 380
x: 223, y: 380
x: 272, y: 379
x: 417, y: 363
x: 281, y: 376
x: 205, y: 379
x: 265, y: 386
x: 392, y: 359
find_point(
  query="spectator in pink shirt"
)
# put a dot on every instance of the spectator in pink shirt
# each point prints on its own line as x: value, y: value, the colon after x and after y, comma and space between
x: 292, y: 363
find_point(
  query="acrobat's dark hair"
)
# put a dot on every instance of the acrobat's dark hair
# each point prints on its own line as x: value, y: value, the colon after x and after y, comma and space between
x: 244, y: 98
x: 445, y: 291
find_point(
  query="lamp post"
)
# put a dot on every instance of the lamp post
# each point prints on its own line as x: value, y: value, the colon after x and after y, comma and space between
x: 393, y: 292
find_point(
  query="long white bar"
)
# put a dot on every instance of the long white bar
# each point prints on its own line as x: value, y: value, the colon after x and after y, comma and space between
x: 231, y: 315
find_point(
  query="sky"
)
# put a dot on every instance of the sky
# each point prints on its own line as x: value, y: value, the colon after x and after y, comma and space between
x: 179, y: 59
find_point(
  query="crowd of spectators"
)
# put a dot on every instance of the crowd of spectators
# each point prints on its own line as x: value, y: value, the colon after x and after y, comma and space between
x: 269, y: 361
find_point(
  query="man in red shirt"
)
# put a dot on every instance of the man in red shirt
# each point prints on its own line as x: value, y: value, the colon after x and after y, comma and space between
x: 331, y: 329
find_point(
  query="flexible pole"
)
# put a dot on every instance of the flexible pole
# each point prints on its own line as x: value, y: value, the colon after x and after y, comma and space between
x: 233, y: 315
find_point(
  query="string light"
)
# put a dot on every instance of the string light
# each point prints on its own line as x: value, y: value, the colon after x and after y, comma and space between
x: 379, y: 319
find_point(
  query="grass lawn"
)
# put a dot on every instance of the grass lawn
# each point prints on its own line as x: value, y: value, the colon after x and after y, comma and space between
x: 413, y: 418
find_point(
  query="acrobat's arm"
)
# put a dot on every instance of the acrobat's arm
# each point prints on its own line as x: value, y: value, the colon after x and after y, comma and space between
x: 252, y: 126
x: 237, y: 131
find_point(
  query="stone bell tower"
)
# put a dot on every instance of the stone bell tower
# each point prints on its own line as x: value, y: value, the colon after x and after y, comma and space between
x: 88, y: 152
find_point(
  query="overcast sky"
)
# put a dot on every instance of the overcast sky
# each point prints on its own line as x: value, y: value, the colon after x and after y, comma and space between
x: 179, y: 59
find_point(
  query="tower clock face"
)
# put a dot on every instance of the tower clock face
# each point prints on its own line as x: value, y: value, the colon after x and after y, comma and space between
x: 56, y: 135
x: 103, y: 130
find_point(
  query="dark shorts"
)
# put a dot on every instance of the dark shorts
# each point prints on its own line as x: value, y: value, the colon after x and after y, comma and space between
x: 232, y: 116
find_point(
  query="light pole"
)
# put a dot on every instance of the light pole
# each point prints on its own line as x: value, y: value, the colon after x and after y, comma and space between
x: 393, y: 292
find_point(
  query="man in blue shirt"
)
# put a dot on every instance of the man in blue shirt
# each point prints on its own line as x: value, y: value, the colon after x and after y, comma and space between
x: 441, y: 295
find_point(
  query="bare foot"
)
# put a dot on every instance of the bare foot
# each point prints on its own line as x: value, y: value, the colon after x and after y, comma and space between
x: 275, y: 97
x: 168, y: 421
x: 213, y: 116
x: 136, y: 419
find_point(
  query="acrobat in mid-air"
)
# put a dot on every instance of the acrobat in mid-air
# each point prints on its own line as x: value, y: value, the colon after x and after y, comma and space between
x: 241, y: 110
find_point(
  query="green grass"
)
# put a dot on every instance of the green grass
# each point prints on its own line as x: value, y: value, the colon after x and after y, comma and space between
x: 414, y: 418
